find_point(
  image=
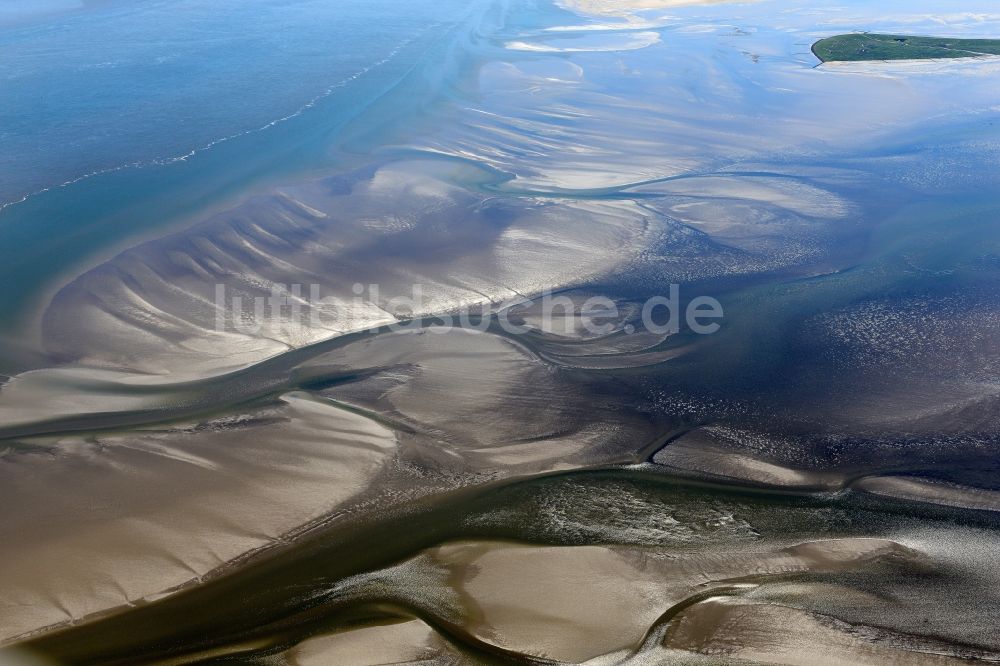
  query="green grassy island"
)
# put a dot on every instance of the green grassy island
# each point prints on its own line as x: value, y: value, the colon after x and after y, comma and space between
x: 869, y: 46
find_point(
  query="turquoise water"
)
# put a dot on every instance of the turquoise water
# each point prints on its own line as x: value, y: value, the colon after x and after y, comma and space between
x: 119, y: 119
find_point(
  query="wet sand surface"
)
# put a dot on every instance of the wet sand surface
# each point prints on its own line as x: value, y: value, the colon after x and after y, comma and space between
x: 189, y: 480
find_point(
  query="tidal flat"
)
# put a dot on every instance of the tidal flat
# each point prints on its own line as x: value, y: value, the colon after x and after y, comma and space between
x: 188, y: 479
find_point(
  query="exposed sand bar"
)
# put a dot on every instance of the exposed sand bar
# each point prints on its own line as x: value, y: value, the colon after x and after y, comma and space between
x: 110, y: 520
x: 478, y: 591
x: 769, y: 633
x: 403, y: 642
x: 924, y: 490
x: 574, y: 604
x: 192, y: 494
x: 627, y: 7
x: 406, y: 227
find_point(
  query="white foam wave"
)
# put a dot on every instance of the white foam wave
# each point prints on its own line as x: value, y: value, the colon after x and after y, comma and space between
x: 610, y: 27
x: 624, y: 42
x: 164, y: 161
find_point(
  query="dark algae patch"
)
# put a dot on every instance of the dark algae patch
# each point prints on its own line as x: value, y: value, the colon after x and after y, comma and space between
x: 868, y: 46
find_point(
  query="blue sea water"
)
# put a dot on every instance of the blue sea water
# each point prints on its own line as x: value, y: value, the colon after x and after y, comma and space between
x: 148, y: 81
x: 118, y: 117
